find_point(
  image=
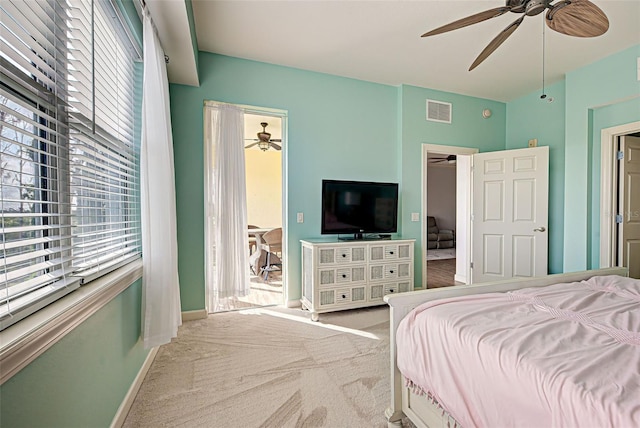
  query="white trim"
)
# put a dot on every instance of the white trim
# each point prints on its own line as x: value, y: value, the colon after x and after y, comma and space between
x: 198, y: 314
x: 293, y: 304
x: 607, y: 189
x: 445, y: 150
x: 24, y: 341
x: 125, y: 406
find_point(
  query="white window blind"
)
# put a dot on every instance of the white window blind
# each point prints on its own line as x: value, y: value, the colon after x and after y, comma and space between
x: 69, y: 181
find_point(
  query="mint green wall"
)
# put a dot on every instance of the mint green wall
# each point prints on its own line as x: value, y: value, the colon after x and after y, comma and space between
x: 81, y: 380
x: 467, y: 129
x: 530, y: 117
x: 131, y: 15
x: 337, y: 128
x: 591, y: 98
x: 605, y: 117
x: 608, y: 81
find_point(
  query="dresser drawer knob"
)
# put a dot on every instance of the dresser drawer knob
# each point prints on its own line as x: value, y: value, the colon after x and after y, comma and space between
x: 344, y: 276
x: 344, y: 296
x: 391, y: 271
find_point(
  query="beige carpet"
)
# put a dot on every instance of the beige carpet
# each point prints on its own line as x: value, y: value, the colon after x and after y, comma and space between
x: 270, y: 367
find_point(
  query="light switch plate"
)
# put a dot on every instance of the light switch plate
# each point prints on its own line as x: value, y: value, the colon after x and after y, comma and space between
x: 300, y: 217
x: 415, y: 216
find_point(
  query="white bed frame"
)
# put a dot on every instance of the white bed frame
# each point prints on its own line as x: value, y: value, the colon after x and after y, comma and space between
x: 418, y: 409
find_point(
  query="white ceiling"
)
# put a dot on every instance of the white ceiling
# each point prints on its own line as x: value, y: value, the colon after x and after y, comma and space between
x: 379, y: 41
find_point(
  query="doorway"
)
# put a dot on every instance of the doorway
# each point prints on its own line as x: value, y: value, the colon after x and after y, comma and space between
x: 263, y: 168
x: 254, y: 225
x: 444, y: 238
x: 620, y: 200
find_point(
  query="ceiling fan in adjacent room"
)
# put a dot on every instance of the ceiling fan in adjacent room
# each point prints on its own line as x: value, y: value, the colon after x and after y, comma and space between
x: 579, y: 18
x: 450, y: 159
x: 264, y: 141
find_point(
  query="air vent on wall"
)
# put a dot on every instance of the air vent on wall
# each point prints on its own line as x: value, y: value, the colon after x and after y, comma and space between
x: 438, y: 111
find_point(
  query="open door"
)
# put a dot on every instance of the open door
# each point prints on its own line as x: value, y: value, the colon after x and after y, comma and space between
x: 629, y: 205
x: 509, y: 214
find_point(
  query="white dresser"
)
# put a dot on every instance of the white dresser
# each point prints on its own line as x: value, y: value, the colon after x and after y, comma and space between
x: 339, y: 275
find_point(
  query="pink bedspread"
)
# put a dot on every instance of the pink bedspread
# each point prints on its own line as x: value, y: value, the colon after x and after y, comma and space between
x: 566, y: 355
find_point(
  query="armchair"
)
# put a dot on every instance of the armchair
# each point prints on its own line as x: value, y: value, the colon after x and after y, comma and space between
x: 438, y: 238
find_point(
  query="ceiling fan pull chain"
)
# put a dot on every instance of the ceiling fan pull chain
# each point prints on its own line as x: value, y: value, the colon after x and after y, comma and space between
x: 543, y: 96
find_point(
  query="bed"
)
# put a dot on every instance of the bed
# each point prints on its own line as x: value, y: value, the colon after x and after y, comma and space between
x: 559, y: 350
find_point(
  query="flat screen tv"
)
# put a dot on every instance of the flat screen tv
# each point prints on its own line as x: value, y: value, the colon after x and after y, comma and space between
x: 359, y: 208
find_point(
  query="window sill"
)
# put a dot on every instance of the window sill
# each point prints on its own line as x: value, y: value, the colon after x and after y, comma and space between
x: 27, y: 339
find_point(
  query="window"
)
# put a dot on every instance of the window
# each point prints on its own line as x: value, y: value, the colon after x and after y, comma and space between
x: 69, y: 128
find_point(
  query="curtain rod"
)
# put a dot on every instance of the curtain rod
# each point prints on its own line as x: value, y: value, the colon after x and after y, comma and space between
x: 140, y: 6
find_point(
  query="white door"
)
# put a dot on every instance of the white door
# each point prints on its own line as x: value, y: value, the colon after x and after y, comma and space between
x: 629, y: 205
x: 509, y: 214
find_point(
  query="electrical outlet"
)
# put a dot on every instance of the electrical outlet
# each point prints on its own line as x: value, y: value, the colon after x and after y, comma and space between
x: 300, y: 217
x: 533, y: 143
x: 415, y: 216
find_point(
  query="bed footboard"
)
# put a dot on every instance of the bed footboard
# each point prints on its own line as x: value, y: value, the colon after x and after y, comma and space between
x: 401, y: 304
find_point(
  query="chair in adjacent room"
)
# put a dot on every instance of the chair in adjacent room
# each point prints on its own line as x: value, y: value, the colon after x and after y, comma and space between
x: 438, y: 238
x: 272, y: 245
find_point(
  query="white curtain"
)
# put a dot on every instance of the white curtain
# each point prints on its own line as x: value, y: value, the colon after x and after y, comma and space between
x: 161, y: 288
x: 228, y: 261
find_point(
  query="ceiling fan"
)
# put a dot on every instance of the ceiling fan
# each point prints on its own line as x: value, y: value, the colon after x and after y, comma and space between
x: 579, y: 18
x: 442, y: 159
x: 264, y: 140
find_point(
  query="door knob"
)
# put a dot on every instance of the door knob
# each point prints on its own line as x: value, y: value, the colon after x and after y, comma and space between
x: 539, y: 229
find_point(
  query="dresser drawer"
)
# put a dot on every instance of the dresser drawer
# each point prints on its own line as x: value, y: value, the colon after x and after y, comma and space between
x: 341, y: 255
x: 379, y: 290
x: 391, y: 251
x: 342, y: 296
x: 387, y: 271
x: 329, y: 277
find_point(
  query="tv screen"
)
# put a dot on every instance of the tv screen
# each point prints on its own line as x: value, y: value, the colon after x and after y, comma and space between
x: 357, y: 207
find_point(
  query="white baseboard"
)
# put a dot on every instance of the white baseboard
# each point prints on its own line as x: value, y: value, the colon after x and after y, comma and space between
x: 460, y: 278
x: 293, y: 304
x: 126, y: 404
x: 194, y: 315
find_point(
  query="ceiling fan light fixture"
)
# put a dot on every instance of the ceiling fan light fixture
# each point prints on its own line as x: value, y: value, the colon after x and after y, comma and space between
x: 534, y: 7
x: 263, y: 145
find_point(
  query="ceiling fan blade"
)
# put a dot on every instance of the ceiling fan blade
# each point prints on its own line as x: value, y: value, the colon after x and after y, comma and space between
x: 251, y: 145
x: 277, y: 140
x: 275, y: 146
x: 496, y: 42
x: 579, y: 18
x: 469, y: 20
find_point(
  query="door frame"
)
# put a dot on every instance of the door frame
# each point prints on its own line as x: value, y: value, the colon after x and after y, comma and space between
x: 283, y: 116
x: 608, y: 194
x: 442, y: 150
